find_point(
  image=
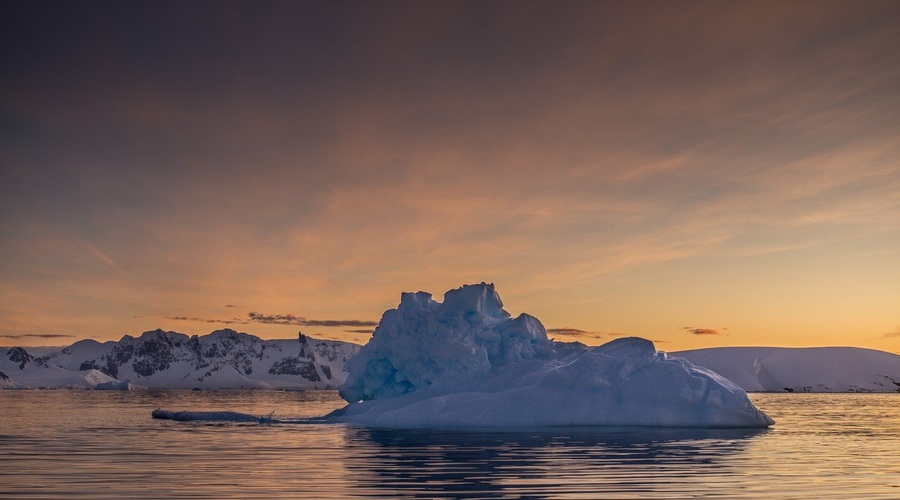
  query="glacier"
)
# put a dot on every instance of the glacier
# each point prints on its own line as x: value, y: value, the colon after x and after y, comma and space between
x: 465, y: 362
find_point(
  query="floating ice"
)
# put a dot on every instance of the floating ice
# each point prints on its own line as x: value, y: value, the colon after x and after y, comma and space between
x: 211, y: 416
x: 118, y: 385
x: 466, y: 363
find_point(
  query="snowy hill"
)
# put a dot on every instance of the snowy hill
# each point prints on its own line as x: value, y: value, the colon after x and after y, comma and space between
x: 814, y: 369
x: 224, y: 359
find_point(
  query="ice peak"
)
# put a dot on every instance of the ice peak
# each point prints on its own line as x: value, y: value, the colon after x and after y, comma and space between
x: 424, y: 342
x: 628, y: 346
x: 481, y: 298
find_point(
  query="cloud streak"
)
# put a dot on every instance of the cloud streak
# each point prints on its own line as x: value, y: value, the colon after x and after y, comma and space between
x: 37, y: 336
x: 234, y: 321
x: 290, y: 319
x: 576, y: 332
x: 282, y: 319
x: 694, y: 330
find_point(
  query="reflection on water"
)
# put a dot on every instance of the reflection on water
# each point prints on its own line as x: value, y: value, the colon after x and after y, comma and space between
x: 87, y: 444
x: 539, y: 463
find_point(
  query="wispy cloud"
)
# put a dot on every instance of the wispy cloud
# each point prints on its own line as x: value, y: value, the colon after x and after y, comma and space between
x: 282, y: 319
x: 234, y: 321
x: 737, y: 150
x: 290, y: 319
x: 695, y: 330
x: 576, y: 332
x: 895, y: 333
x: 37, y: 336
x: 569, y: 331
x: 106, y: 259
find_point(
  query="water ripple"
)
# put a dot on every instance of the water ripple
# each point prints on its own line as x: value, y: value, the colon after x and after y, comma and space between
x: 77, y: 444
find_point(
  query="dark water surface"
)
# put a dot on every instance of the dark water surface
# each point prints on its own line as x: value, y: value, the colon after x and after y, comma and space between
x: 96, y: 444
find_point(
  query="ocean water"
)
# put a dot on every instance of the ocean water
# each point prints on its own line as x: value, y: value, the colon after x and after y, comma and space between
x: 96, y: 444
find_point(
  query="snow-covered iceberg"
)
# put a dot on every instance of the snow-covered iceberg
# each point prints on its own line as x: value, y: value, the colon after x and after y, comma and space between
x: 466, y: 363
x: 118, y: 385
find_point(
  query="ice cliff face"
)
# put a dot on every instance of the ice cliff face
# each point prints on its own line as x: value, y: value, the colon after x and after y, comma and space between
x: 466, y: 363
x: 424, y: 342
x: 160, y: 359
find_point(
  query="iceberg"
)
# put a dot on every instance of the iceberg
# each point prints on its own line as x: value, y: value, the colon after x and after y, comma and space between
x: 118, y: 385
x: 466, y: 363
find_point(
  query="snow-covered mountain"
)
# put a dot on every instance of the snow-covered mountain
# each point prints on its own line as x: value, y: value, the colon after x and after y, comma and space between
x: 813, y: 369
x: 224, y: 359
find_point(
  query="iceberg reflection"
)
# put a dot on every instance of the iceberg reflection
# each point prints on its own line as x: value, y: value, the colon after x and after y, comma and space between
x: 544, y: 462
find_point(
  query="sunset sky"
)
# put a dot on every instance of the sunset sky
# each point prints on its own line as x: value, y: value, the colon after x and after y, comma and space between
x: 697, y: 173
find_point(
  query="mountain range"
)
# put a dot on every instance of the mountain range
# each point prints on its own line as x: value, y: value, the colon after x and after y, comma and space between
x: 226, y: 359
x: 223, y: 359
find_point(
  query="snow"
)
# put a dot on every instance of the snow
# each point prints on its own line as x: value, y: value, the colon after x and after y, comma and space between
x: 466, y: 363
x: 814, y: 369
x: 51, y: 377
x: 224, y: 359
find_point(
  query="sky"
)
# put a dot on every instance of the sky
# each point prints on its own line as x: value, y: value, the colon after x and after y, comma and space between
x: 700, y: 174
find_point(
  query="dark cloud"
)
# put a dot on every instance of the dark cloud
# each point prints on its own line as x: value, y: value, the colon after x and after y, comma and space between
x: 230, y: 305
x: 338, y: 322
x: 575, y: 332
x: 694, y: 330
x: 290, y: 319
x: 568, y: 331
x: 37, y: 336
x: 895, y: 333
x: 360, y: 331
x: 234, y: 321
x: 282, y: 319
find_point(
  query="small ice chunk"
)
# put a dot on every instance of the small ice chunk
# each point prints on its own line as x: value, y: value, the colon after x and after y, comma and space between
x: 207, y: 416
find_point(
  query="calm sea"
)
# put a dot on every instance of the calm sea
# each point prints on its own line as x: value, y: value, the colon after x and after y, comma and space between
x: 95, y: 444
